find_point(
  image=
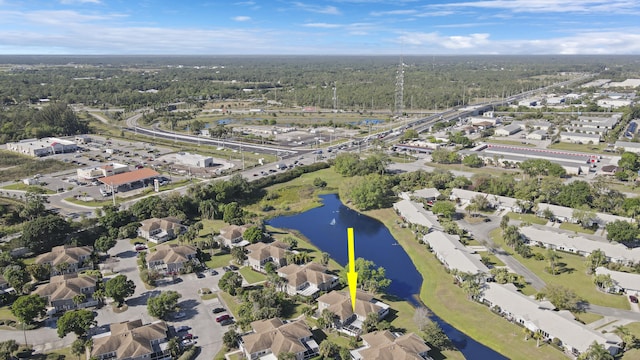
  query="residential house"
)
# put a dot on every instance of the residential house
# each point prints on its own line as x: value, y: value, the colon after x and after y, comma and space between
x: 565, y: 214
x: 67, y: 259
x: 501, y: 203
x: 581, y: 245
x: 231, y: 236
x: 5, y: 288
x: 131, y: 340
x: 428, y: 194
x: 623, y: 281
x: 171, y: 258
x: 260, y: 254
x: 307, y: 280
x: 414, y: 213
x: 455, y: 256
x: 384, y: 345
x: 542, y: 318
x: 160, y: 230
x: 62, y: 289
x: 273, y: 337
x: 627, y: 146
x: 346, y: 319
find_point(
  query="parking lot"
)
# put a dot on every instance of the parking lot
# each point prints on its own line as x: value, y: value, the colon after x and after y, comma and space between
x: 198, y: 315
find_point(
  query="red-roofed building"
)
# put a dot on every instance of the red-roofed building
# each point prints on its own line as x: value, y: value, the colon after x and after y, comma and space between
x: 128, y: 180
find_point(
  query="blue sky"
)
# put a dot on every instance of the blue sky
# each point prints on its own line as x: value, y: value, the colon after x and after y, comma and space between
x: 319, y: 27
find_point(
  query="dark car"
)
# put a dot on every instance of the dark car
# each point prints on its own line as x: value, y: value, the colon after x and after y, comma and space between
x: 226, y: 322
x: 633, y: 299
x: 213, y: 272
x: 218, y: 310
x: 199, y: 275
x: 233, y: 267
x: 222, y: 318
x: 226, y: 268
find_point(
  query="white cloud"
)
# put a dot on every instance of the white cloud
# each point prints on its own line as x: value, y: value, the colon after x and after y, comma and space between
x: 241, y: 18
x: 587, y: 42
x: 548, y: 6
x: 328, y: 10
x: 393, y: 12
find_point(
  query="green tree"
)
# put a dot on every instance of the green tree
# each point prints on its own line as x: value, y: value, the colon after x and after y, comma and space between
x: 370, y: 277
x: 39, y: 272
x: 33, y: 206
x: 584, y: 215
x: 253, y: 234
x: 287, y: 356
x: 164, y: 304
x: 621, y: 231
x: 7, y: 349
x: 328, y: 349
x: 444, y: 156
x: 230, y: 339
x: 104, y: 243
x: 44, y: 232
x: 473, y: 161
x: 603, y: 281
x: 370, y: 323
x: 27, y: 309
x: 173, y: 345
x: 230, y: 282
x: 233, y: 213
x: 346, y: 164
x: 504, y: 222
x: 369, y: 192
x: 596, y: 259
x: 409, y: 134
x: 319, y: 183
x: 237, y: 254
x: 433, y: 334
x: 552, y: 256
x: 76, y: 321
x: 16, y: 276
x: 629, y: 161
x: 119, y: 288
x: 445, y: 208
x: 325, y: 257
x: 596, y: 352
x: 562, y: 297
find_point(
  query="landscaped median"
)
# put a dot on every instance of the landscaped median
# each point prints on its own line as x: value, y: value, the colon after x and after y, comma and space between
x: 450, y: 303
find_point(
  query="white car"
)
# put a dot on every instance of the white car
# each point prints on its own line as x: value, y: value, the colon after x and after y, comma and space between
x: 188, y: 342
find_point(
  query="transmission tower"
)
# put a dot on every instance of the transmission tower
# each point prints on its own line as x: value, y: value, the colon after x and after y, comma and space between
x: 400, y: 89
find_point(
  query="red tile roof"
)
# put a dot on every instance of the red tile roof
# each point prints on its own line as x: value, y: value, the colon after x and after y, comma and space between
x: 129, y: 177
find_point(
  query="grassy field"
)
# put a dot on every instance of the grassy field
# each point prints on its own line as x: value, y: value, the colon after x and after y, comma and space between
x: 251, y: 276
x: 576, y: 228
x: 24, y: 187
x: 450, y: 303
x: 493, y: 260
x: 571, y: 275
x: 16, y: 167
x: 528, y: 218
x: 599, y: 148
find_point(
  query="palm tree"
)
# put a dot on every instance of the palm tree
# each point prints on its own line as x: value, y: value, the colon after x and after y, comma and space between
x: 79, y: 299
x: 552, y: 256
x: 596, y: 352
x: 538, y: 336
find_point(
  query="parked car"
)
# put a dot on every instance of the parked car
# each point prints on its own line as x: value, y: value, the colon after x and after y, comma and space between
x: 188, y: 336
x: 633, y: 299
x: 199, y: 275
x: 233, y: 267
x: 226, y: 268
x: 188, y: 342
x: 182, y: 328
x: 213, y: 272
x: 218, y: 310
x: 223, y: 317
x: 179, y: 315
x: 140, y: 247
x: 226, y: 322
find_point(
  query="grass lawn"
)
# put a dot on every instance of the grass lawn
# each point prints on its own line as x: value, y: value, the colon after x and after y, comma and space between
x: 587, y: 317
x: 571, y: 275
x: 25, y: 187
x: 5, y: 313
x: 16, y: 166
x: 230, y: 302
x: 218, y: 259
x: 450, y: 303
x: 251, y: 276
x: 303, y: 245
x: 529, y: 218
x: 635, y: 353
x: 93, y: 203
x: 493, y: 260
x: 599, y: 148
x: 576, y: 228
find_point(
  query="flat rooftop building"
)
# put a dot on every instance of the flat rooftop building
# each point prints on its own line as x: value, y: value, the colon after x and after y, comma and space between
x: 42, y: 147
x: 194, y: 160
x: 128, y: 179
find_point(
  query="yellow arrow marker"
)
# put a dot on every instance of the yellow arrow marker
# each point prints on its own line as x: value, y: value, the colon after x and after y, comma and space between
x: 352, y: 275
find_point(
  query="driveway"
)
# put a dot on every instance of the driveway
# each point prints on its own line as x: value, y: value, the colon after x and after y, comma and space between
x: 481, y: 232
x: 198, y: 313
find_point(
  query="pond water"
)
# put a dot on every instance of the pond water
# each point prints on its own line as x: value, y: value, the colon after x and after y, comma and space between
x: 326, y: 227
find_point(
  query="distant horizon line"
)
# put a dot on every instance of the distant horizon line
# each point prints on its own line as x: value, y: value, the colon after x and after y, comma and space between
x: 320, y: 55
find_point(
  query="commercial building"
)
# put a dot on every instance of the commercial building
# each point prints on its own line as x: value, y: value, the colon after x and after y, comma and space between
x: 579, y: 138
x: 194, y: 160
x: 508, y: 130
x: 628, y: 146
x: 128, y: 180
x: 42, y: 147
x: 537, y: 135
x: 95, y: 172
